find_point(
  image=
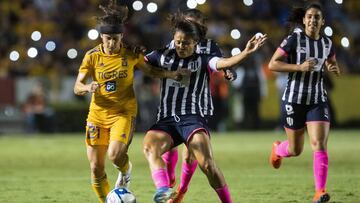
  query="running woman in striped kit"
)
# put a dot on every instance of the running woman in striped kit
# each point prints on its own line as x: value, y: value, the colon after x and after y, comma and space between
x: 183, y: 106
x: 304, y: 55
x: 189, y: 163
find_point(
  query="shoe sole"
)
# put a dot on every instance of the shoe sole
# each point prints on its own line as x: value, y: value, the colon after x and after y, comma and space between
x: 323, y: 198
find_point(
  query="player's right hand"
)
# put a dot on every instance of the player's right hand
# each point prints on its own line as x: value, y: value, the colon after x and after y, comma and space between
x: 308, y: 65
x: 93, y: 86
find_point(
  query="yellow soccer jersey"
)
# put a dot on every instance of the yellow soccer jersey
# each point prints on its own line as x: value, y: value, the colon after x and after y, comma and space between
x: 115, y: 75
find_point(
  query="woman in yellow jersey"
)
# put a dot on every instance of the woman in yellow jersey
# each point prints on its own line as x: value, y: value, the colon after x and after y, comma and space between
x: 113, y: 107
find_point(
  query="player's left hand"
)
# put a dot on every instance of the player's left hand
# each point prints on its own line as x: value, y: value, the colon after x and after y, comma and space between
x: 230, y: 74
x: 333, y: 69
x: 255, y: 43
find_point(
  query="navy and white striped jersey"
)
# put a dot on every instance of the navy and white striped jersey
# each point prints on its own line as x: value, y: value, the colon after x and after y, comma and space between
x: 177, y: 98
x: 306, y: 87
x: 206, y: 46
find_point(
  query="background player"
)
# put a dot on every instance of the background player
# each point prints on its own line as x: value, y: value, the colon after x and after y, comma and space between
x: 183, y: 107
x: 110, y: 122
x: 304, y: 102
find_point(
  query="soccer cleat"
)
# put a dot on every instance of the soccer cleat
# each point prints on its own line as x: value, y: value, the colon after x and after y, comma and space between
x: 172, y: 182
x: 178, y: 197
x: 123, y: 180
x: 321, y: 196
x: 163, y: 195
x: 275, y: 160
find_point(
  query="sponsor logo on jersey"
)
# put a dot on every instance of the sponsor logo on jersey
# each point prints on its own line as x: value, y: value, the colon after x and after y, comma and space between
x: 112, y: 74
x: 289, y: 109
x: 110, y: 86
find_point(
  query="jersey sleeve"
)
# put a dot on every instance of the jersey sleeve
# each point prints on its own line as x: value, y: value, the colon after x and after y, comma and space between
x: 153, y: 58
x: 288, y: 44
x: 215, y: 50
x: 86, y: 64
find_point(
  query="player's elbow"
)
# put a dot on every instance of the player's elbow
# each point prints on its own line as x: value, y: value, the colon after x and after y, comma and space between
x: 272, y: 65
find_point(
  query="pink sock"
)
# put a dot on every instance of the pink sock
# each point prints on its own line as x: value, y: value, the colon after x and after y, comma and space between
x: 224, y: 194
x: 160, y: 178
x: 170, y: 158
x: 187, y: 171
x: 282, y: 149
x: 321, y: 163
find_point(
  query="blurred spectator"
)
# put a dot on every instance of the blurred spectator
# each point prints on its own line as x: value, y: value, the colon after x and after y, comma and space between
x: 38, y: 116
x: 220, y: 93
x: 252, y: 87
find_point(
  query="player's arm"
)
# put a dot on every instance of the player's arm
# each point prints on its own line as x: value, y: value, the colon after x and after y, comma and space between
x: 160, y: 73
x: 252, y: 45
x: 278, y: 64
x: 332, y: 65
x: 81, y: 88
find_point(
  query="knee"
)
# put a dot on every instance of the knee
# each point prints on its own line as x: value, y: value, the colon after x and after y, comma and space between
x: 116, y: 155
x: 148, y: 149
x: 317, y: 145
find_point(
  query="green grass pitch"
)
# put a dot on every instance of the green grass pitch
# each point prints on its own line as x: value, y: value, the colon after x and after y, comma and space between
x: 54, y: 168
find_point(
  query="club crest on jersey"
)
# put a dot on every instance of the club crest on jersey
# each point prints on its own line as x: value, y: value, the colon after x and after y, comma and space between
x: 124, y: 62
x: 110, y: 86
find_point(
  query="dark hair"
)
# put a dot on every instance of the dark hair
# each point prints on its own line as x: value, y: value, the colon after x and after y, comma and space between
x: 296, y: 16
x: 189, y: 28
x: 114, y: 18
x: 198, y: 18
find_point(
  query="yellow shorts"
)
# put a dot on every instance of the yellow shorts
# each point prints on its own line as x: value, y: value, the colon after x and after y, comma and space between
x: 122, y: 130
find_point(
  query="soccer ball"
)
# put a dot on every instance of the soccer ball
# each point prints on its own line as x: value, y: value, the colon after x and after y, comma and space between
x: 120, y: 195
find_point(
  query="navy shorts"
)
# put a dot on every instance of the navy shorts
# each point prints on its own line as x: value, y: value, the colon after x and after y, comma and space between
x: 181, y: 128
x: 295, y: 116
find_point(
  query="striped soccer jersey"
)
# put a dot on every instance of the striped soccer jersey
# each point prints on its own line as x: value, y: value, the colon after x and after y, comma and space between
x: 306, y: 87
x: 177, y: 98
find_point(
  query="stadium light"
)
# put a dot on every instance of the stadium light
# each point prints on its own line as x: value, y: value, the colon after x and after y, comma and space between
x: 137, y: 5
x: 200, y: 2
x: 235, y: 34
x: 248, y: 2
x: 93, y: 34
x: 32, y: 52
x: 345, y: 42
x: 328, y: 31
x: 191, y: 4
x: 50, y: 45
x: 72, y: 53
x: 152, y: 7
x: 14, y: 55
x: 36, y: 36
x: 339, y: 1
x: 235, y: 51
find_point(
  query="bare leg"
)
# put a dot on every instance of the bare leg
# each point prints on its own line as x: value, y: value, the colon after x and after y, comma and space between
x: 200, y: 146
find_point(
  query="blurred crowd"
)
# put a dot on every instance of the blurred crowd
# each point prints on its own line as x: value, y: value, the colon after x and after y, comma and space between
x: 67, y: 23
